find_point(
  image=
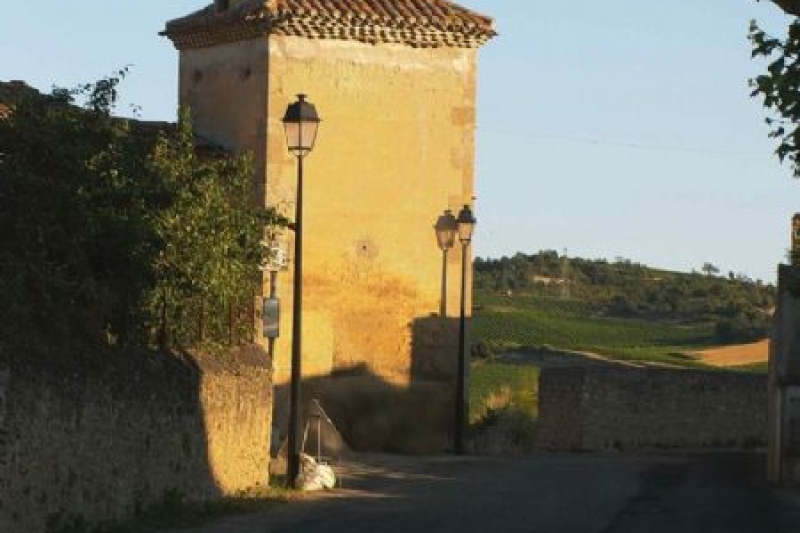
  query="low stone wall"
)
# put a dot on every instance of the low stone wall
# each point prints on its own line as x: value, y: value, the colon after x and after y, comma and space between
x: 597, y: 408
x: 5, y: 523
x: 97, y: 443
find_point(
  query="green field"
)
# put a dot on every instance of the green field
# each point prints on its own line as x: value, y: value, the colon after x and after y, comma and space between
x: 508, y: 323
x: 527, y: 322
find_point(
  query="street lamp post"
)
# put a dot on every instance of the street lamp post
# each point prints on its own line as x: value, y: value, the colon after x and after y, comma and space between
x: 465, y: 224
x: 300, y: 123
x: 446, y: 228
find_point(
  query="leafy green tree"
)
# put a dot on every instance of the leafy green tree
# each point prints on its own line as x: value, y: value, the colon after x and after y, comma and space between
x: 210, y: 235
x: 709, y: 269
x: 779, y: 87
x: 790, y: 6
x: 107, y: 229
x: 76, y: 245
x: 630, y: 290
x: 743, y: 327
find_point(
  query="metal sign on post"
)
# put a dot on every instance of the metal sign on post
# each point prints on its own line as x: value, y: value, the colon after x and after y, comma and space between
x: 276, y: 258
x: 271, y: 316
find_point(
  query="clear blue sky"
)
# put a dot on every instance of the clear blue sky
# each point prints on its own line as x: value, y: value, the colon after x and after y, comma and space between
x: 613, y: 129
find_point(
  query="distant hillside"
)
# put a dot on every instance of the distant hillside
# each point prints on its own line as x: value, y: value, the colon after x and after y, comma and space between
x: 732, y: 308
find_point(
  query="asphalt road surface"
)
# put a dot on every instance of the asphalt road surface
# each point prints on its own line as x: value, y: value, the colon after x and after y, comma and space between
x: 708, y: 493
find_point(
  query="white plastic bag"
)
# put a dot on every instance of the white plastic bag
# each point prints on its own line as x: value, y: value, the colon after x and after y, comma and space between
x: 315, y: 476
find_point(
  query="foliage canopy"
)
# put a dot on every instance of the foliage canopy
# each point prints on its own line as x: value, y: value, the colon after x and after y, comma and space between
x: 110, y: 228
x: 735, y: 306
x: 779, y: 87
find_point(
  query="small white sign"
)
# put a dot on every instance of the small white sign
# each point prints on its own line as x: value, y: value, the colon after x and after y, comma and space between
x: 275, y: 256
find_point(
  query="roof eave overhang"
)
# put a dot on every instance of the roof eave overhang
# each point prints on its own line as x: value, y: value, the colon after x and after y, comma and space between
x: 205, y: 29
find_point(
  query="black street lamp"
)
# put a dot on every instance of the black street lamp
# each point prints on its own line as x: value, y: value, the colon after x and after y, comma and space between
x: 300, y: 124
x: 465, y: 224
x: 446, y: 228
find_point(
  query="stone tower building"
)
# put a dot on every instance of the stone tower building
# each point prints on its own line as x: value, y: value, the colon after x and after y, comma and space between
x: 394, y: 82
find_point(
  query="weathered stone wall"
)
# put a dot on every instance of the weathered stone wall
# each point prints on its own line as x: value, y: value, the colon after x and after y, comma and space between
x: 596, y: 408
x: 784, y: 380
x: 560, y: 403
x: 395, y: 148
x: 225, y: 88
x: 5, y: 523
x: 100, y: 442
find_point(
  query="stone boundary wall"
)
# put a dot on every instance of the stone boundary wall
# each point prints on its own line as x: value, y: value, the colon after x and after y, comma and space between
x: 599, y: 408
x: 5, y: 524
x: 96, y: 443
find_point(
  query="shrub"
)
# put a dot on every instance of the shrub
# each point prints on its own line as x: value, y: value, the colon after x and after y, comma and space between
x: 109, y: 229
x: 742, y: 328
x: 505, y: 430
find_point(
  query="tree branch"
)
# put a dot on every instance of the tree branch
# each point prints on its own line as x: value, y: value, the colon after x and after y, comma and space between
x: 790, y: 6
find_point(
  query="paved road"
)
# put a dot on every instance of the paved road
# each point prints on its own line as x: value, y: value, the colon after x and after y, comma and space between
x: 719, y: 493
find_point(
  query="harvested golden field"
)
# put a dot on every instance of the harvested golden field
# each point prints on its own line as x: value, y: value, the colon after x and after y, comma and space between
x: 742, y: 354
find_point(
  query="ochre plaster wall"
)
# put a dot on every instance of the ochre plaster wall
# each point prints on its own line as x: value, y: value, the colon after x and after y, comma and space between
x: 225, y: 87
x: 396, y: 147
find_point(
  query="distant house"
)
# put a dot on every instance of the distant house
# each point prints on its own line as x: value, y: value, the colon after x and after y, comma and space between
x: 395, y: 84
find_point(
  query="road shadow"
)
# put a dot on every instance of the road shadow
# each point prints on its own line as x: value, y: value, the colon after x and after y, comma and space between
x: 608, y: 493
x: 410, y: 412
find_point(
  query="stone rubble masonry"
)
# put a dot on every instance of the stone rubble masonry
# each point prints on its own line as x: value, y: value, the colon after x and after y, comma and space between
x: 98, y: 442
x: 784, y: 380
x: 602, y: 408
x: 5, y: 525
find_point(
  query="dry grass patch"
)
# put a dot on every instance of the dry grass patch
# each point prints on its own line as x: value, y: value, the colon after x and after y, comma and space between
x: 737, y: 355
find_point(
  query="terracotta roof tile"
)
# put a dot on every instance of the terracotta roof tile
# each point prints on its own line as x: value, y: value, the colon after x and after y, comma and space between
x: 419, y: 23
